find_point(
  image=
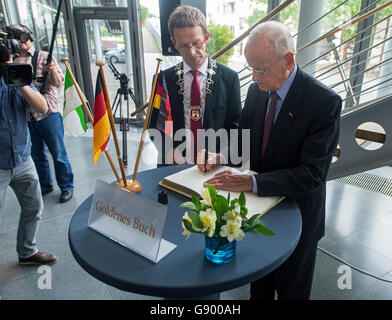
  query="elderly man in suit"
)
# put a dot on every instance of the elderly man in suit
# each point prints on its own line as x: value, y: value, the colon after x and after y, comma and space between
x: 294, y: 128
x: 203, y: 93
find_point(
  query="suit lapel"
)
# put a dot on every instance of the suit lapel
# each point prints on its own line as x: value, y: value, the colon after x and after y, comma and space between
x: 285, y: 118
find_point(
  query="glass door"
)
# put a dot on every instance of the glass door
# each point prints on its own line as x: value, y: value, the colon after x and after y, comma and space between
x: 106, y: 41
x: 103, y: 35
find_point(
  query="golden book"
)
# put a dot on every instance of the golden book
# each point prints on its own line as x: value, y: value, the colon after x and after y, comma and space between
x: 190, y: 182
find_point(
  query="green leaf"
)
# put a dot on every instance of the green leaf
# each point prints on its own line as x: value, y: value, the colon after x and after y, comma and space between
x: 253, y: 224
x: 188, y: 205
x: 244, y: 212
x: 212, y: 192
x: 228, y: 198
x: 253, y: 219
x: 242, y: 199
x: 196, y: 202
x: 265, y: 231
x: 188, y: 225
x: 233, y: 202
x: 220, y: 205
x: 196, y: 220
x: 249, y: 228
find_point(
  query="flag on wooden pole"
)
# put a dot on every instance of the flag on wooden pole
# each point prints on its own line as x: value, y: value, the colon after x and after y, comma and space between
x: 73, y: 117
x: 161, y: 112
x: 101, y: 130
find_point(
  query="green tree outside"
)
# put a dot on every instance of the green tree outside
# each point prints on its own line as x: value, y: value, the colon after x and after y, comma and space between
x: 143, y: 14
x: 258, y: 13
x: 220, y: 37
x: 256, y: 16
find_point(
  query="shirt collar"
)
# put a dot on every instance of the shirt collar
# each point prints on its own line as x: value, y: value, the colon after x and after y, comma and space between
x: 30, y: 52
x: 203, y: 68
x: 283, y: 90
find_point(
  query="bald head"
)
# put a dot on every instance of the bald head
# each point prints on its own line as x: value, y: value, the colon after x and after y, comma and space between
x: 276, y: 34
x: 270, y: 53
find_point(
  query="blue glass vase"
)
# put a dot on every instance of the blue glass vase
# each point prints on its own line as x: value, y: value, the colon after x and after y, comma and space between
x: 219, y: 250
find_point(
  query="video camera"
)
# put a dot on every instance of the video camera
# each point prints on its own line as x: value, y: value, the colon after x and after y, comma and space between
x: 124, y: 80
x: 15, y: 74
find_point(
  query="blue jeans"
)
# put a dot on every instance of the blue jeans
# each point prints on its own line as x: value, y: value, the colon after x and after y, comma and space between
x: 50, y: 132
x: 23, y: 180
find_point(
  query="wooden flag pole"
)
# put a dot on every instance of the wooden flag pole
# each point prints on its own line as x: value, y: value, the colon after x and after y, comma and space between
x: 139, y: 110
x: 124, y: 183
x: 136, y: 185
x: 90, y: 117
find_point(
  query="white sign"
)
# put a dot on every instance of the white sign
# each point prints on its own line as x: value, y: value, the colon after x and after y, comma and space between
x: 131, y: 220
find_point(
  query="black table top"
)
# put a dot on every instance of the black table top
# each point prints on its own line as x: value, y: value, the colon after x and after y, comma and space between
x: 184, y: 273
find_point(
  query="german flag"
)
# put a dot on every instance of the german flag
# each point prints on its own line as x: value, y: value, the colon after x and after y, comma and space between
x: 161, y: 113
x: 101, y: 132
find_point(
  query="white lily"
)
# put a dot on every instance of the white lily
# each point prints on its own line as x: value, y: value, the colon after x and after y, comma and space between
x: 232, y: 230
x: 205, y: 194
x: 231, y: 215
x: 237, y: 208
x: 186, y: 232
x: 208, y: 218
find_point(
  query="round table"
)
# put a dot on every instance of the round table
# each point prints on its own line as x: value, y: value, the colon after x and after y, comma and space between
x: 184, y: 273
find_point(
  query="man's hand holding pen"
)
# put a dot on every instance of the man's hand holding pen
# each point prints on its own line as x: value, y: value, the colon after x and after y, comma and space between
x: 225, y: 180
x: 207, y: 160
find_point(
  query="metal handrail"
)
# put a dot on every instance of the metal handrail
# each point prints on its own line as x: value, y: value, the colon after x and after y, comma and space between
x: 345, y: 25
x: 323, y: 16
x: 348, y: 40
x: 269, y: 16
x: 330, y: 69
x: 367, y: 82
x: 348, y: 60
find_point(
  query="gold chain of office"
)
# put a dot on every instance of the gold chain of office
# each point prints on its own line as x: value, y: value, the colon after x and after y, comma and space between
x: 186, y: 95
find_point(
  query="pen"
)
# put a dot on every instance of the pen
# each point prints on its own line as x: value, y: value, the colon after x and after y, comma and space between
x: 205, y: 157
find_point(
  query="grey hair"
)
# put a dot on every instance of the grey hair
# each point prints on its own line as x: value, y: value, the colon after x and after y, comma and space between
x: 277, y: 33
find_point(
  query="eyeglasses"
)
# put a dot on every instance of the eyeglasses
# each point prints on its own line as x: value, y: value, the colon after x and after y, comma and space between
x: 259, y: 71
x: 197, y: 45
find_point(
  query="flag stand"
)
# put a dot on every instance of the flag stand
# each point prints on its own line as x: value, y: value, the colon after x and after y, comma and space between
x: 124, y: 183
x: 136, y: 186
x: 90, y: 117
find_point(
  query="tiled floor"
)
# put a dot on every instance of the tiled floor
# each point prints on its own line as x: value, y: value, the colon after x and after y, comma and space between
x: 358, y: 230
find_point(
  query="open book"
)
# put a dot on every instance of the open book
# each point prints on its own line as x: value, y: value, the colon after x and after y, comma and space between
x: 190, y: 181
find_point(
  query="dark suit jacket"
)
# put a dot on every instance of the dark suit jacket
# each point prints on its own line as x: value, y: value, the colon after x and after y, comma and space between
x: 300, y: 147
x: 222, y: 105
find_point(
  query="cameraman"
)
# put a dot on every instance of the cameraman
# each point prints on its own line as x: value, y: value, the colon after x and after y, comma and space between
x: 47, y: 129
x: 16, y: 166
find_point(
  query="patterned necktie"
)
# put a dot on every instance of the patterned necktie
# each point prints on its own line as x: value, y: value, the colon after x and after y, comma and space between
x: 269, y: 120
x: 195, y: 101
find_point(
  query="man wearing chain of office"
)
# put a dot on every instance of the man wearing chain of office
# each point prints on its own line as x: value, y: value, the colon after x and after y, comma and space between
x: 203, y: 93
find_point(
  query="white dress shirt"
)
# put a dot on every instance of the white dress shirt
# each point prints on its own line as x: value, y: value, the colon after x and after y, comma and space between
x: 188, y: 78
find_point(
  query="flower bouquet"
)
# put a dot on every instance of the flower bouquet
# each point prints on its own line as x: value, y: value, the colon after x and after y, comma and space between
x: 222, y: 221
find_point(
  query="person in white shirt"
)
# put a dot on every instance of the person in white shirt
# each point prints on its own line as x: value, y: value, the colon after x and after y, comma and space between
x: 203, y: 93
